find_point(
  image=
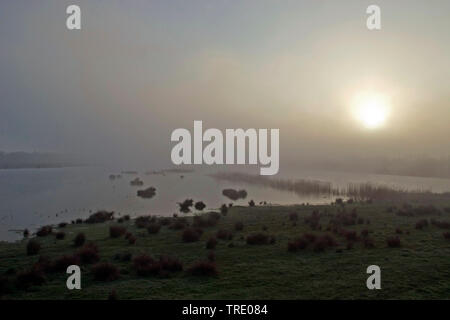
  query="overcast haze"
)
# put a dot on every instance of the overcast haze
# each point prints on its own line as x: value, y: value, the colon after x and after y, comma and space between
x: 115, y: 90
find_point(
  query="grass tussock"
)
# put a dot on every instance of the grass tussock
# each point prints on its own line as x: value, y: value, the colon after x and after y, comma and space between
x: 259, y: 239
x: 191, y: 235
x: 393, y: 242
x: 88, y: 254
x: 145, y: 265
x: 223, y: 234
x: 100, y: 217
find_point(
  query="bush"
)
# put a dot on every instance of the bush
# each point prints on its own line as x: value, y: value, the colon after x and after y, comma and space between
x: 105, y: 271
x: 131, y: 239
x: 143, y: 221
x: 298, y: 244
x: 79, y: 239
x: 239, y: 226
x: 62, y: 225
x: 60, y: 235
x: 368, y: 243
x: 365, y: 233
x: 211, y: 243
x: 112, y: 296
x: 153, y: 228
x: 88, y: 254
x: 79, y: 221
x: 351, y: 235
x: 44, y: 231
x: 26, y: 233
x: 224, y: 209
x: 293, y: 216
x: 393, y: 242
x: 190, y: 235
x: 251, y: 203
x: 203, y: 268
x: 61, y: 263
x: 30, y: 277
x: 145, y: 265
x: 211, y: 256
x: 178, y: 223
x: 100, y: 217
x: 126, y: 217
x: 186, y: 205
x: 258, y: 239
x: 123, y: 257
x: 200, y: 205
x: 421, y: 224
x: 116, y: 231
x: 223, y: 234
x: 398, y: 231
x: 446, y: 235
x: 33, y: 247
x: 440, y: 224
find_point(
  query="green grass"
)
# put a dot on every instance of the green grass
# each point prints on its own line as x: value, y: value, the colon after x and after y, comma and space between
x: 420, y: 269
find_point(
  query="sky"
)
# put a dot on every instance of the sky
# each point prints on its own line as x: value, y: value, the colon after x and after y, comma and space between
x: 115, y: 90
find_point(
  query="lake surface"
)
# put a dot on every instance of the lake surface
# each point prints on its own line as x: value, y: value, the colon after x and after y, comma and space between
x: 30, y: 198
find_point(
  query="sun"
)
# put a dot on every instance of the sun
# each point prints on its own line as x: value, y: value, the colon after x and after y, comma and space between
x: 371, y: 109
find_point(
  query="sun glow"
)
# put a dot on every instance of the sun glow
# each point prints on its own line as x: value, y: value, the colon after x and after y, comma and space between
x: 371, y: 110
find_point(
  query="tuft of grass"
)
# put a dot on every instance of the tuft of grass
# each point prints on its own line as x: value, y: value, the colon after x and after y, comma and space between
x: 393, y: 242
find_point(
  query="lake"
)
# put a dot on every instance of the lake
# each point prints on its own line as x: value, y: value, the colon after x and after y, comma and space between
x: 30, y: 198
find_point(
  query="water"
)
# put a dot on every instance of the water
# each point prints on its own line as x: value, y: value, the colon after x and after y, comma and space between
x: 30, y: 198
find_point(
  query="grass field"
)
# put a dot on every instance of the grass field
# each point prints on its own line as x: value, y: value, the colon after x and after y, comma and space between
x: 418, y: 269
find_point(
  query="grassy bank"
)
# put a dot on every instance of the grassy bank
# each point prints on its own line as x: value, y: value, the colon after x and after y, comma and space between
x: 419, y: 268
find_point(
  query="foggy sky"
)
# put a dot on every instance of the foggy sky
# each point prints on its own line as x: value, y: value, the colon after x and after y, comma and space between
x: 115, y: 90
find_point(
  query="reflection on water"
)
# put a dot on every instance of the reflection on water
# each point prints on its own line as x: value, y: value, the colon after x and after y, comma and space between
x: 33, y: 197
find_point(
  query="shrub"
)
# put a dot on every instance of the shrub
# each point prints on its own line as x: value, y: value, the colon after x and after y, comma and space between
x: 44, y: 231
x: 153, y: 228
x: 26, y: 233
x: 351, y: 235
x: 33, y: 247
x: 239, y: 226
x: 116, y: 231
x: 145, y: 265
x: 224, y: 210
x: 165, y: 221
x: 142, y: 221
x: 446, y: 235
x: 251, y: 203
x: 88, y: 253
x: 203, y: 268
x: 79, y: 221
x: 105, y: 271
x: 393, y: 242
x: 178, y: 224
x: 60, y: 235
x: 186, y: 205
x: 61, y: 263
x: 112, y: 296
x: 100, y: 217
x: 223, y: 234
x: 421, y: 224
x: 79, y: 239
x: 62, y: 225
x: 126, y: 217
x: 440, y: 224
x: 211, y: 256
x: 368, y: 243
x: 258, y: 239
x: 30, y: 277
x: 398, y: 231
x: 211, y: 243
x: 293, y: 216
x: 123, y: 257
x: 190, y: 235
x: 364, y: 233
x: 131, y: 239
x: 200, y: 205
